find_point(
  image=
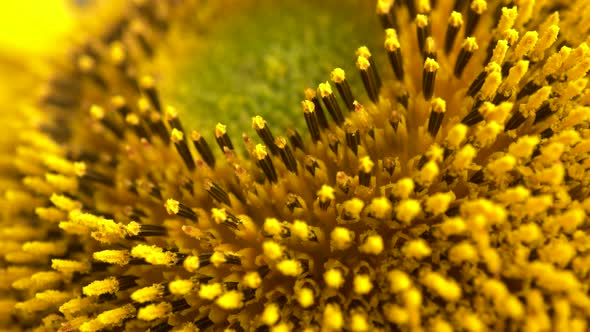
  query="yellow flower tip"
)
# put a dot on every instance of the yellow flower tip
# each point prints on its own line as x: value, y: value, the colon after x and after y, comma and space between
x: 300, y: 229
x: 154, y: 255
x: 290, y: 267
x: 362, y: 284
x: 231, y: 300
x: 70, y: 266
x: 325, y: 90
x: 439, y: 202
x: 326, y: 193
x: 272, y: 226
x: 455, y: 19
x: 407, y: 210
x: 305, y: 297
x: 417, y: 249
x: 172, y: 206
x: 148, y: 294
x: 337, y: 75
x: 154, y: 311
x: 270, y: 314
x: 445, y: 288
x: 372, y: 245
x: 332, y: 317
x: 399, y: 281
x: 366, y: 165
x: 341, y: 238
x: 272, y: 250
x: 220, y: 130
x: 252, y: 280
x: 362, y: 63
x: 363, y: 51
x: 334, y: 278
x: 403, y: 188
x: 210, y: 291
x: 384, y: 6
x: 181, y: 286
x: 176, y: 135
x: 99, y: 287
x: 430, y: 65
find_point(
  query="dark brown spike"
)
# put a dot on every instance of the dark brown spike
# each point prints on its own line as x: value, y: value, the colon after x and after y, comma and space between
x: 203, y: 148
x: 172, y: 118
x: 515, y: 121
x: 311, y: 120
x: 392, y: 46
x: 474, y: 116
x: 429, y: 77
x: 157, y: 126
x: 295, y: 139
x: 286, y: 154
x: 368, y: 78
x: 437, y: 113
x: 386, y: 14
x: 365, y: 53
x: 148, y: 87
x: 216, y: 192
x: 87, y: 173
x: 177, y: 137
x: 353, y: 139
x: 477, y: 84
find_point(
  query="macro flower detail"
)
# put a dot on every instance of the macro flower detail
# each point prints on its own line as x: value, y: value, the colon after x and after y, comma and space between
x: 450, y: 193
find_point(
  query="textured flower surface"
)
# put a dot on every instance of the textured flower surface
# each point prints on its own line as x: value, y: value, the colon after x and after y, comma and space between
x: 447, y: 190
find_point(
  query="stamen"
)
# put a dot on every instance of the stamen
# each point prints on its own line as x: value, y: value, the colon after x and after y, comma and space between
x: 394, y: 53
x: 222, y: 137
x: 353, y: 139
x: 386, y: 14
x: 177, y: 137
x: 263, y: 131
x: 455, y: 23
x: 325, y: 91
x: 365, y: 170
x: 286, y: 154
x: 148, y: 87
x: 467, y: 49
x: 173, y: 119
x: 429, y: 77
x: 311, y: 95
x: 311, y: 120
x: 368, y: 78
x: 477, y: 8
x: 265, y: 163
x: 174, y: 207
x: 437, y: 113
x: 365, y: 53
x: 295, y: 139
x: 422, y: 30
x: 339, y: 78
x: 203, y: 148
x: 217, y: 193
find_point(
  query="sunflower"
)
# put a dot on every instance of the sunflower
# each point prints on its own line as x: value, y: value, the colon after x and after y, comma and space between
x: 436, y: 182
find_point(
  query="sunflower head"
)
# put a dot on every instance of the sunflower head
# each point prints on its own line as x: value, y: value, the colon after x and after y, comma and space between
x: 438, y: 184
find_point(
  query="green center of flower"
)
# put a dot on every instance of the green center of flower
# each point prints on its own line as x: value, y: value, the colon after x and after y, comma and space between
x: 259, y: 58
